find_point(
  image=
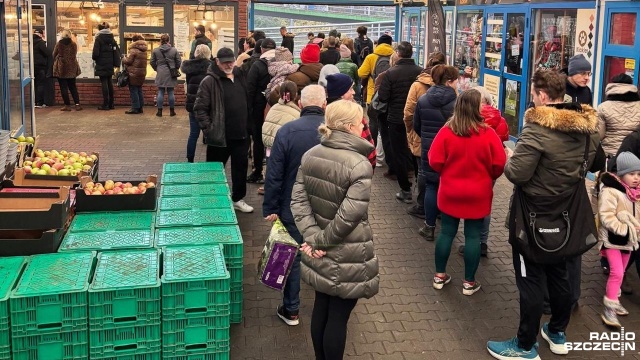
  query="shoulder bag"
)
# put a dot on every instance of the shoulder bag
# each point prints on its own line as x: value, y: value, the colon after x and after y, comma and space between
x: 553, y: 229
x: 175, y: 73
x: 122, y: 77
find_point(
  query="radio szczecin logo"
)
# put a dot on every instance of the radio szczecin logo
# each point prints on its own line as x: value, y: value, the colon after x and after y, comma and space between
x: 615, y: 341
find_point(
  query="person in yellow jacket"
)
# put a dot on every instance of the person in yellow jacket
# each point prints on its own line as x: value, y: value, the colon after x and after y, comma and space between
x: 367, y: 69
x: 419, y: 88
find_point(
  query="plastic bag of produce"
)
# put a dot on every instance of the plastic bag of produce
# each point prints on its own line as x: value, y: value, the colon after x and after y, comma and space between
x: 277, y: 258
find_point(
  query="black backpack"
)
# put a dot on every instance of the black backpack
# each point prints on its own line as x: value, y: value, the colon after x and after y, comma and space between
x: 383, y: 63
x: 362, y: 48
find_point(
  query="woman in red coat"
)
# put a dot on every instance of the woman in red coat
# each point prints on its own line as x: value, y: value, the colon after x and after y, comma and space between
x: 469, y: 156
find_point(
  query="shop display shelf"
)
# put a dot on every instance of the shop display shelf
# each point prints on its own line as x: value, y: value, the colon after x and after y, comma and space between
x: 227, y: 235
x: 112, y: 221
x: 200, y: 202
x: 71, y: 345
x: 125, y: 290
x: 197, y: 334
x: 193, y: 177
x: 51, y: 296
x: 10, y: 269
x: 108, y: 240
x: 195, y: 281
x: 192, y: 167
x: 125, y: 341
x: 195, y: 217
x: 196, y: 190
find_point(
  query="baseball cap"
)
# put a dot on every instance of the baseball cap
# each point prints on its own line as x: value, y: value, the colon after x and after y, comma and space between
x: 225, y: 55
x: 268, y: 43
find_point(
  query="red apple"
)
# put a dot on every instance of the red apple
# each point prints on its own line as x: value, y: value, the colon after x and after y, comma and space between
x: 150, y: 185
x: 109, y: 192
x: 118, y: 184
x: 128, y: 185
x: 96, y: 192
x: 27, y: 169
x: 87, y: 191
x: 58, y: 166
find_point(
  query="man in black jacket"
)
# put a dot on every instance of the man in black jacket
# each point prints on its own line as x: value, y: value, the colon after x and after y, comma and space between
x: 287, y: 39
x: 394, y: 91
x: 579, y: 74
x: 363, y: 46
x: 257, y: 80
x: 200, y: 38
x: 221, y: 111
x: 41, y: 61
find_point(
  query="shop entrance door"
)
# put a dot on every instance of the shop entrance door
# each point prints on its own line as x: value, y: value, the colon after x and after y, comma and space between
x: 412, y: 23
x: 505, y: 63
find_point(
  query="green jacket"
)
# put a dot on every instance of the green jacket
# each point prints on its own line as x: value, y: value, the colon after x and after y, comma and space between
x: 347, y: 67
x: 548, y: 156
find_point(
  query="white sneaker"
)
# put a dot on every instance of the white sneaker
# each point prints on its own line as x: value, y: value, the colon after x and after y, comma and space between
x: 242, y: 206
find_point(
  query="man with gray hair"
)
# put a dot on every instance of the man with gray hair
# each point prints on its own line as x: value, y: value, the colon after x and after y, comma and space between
x: 292, y: 141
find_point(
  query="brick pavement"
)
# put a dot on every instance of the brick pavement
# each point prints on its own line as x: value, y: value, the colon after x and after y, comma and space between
x: 408, y: 319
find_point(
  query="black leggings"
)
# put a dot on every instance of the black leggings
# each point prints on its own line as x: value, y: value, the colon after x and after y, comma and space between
x: 329, y: 325
x: 107, y: 91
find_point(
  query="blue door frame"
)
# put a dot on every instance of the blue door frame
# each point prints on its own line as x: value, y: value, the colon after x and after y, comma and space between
x: 418, y: 44
x: 622, y: 51
x: 4, y: 80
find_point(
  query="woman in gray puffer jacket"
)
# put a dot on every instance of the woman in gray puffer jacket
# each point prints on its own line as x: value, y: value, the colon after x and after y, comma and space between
x: 619, y: 114
x: 330, y: 202
x: 163, y: 59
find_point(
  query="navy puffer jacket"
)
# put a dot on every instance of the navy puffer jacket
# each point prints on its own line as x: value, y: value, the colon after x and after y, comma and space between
x: 432, y: 111
x: 195, y: 70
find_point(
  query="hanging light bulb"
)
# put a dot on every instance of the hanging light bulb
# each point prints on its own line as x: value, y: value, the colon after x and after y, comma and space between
x: 213, y: 26
x: 81, y: 21
x: 195, y: 23
x: 204, y: 22
x: 98, y: 18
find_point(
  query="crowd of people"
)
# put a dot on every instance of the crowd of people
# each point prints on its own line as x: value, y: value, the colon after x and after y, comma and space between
x: 322, y: 125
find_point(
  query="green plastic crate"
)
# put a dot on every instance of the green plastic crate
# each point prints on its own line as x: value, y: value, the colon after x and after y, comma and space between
x: 125, y: 341
x: 194, y: 190
x: 193, y: 177
x: 10, y: 269
x: 208, y: 356
x: 72, y: 345
x: 195, y: 282
x: 192, y: 202
x: 227, y: 235
x: 195, y: 335
x: 192, y: 167
x: 112, y: 221
x: 235, y: 305
x: 195, y: 217
x: 147, y: 356
x: 125, y: 290
x: 107, y: 240
x: 236, y: 277
x: 51, y: 296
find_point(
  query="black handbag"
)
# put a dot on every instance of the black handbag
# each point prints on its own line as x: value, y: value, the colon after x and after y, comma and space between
x: 122, y: 78
x: 175, y: 73
x: 552, y: 229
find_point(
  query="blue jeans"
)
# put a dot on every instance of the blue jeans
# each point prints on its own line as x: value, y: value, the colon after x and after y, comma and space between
x: 291, y: 293
x: 194, y: 133
x: 172, y: 98
x: 137, y: 99
x: 431, y: 203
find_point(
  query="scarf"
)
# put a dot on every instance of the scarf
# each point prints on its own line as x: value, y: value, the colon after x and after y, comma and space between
x: 632, y: 194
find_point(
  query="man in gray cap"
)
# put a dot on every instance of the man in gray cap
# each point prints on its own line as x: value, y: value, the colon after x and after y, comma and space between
x: 579, y: 74
x: 221, y: 108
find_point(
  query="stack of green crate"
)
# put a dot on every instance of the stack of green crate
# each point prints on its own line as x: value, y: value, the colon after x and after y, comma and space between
x: 195, y: 208
x: 231, y: 239
x: 195, y: 303
x: 124, y: 306
x: 49, y: 308
x: 10, y: 269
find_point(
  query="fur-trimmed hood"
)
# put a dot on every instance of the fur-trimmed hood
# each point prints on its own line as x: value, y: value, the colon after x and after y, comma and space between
x: 195, y: 66
x: 622, y: 92
x: 566, y: 118
x: 611, y: 181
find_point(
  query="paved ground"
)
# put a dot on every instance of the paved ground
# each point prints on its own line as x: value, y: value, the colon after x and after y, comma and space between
x: 408, y: 319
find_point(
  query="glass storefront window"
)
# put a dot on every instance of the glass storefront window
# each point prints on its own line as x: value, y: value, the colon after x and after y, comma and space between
x: 511, y: 106
x: 218, y: 20
x: 623, y: 29
x: 449, y: 33
x: 145, y: 15
x: 82, y: 18
x: 515, y: 42
x: 615, y: 66
x: 554, y: 36
x: 493, y: 41
x: 468, y: 39
x: 153, y: 41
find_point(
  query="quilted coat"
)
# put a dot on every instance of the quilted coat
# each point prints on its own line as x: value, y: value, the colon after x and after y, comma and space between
x: 330, y: 202
x: 617, y: 215
x: 136, y: 62
x: 548, y: 157
x: 418, y: 88
x: 65, y: 61
x: 279, y: 70
x: 618, y: 116
x: 277, y: 116
x: 307, y: 74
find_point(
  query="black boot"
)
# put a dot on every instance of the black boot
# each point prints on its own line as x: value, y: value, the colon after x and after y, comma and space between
x: 172, y: 112
x: 159, y: 113
x: 428, y: 232
x: 132, y: 111
x: 140, y: 110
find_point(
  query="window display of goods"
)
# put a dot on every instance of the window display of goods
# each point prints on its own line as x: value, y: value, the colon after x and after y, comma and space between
x: 139, y: 195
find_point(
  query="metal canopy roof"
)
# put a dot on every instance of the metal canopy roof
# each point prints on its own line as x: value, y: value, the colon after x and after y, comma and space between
x: 331, y: 2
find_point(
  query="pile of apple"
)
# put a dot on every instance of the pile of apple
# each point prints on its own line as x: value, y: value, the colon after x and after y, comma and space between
x: 21, y: 139
x: 116, y: 188
x: 60, y: 163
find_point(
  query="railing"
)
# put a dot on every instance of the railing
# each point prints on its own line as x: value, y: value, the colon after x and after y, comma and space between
x: 378, y: 11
